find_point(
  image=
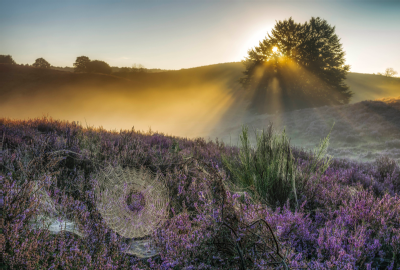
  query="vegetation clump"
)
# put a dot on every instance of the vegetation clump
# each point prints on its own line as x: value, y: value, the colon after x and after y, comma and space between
x: 41, y: 63
x: 84, y: 64
x: 7, y: 59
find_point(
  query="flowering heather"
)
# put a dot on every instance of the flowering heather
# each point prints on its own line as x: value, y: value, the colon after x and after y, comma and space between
x: 341, y: 215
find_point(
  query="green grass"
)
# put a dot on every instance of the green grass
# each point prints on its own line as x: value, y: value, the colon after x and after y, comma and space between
x: 269, y: 171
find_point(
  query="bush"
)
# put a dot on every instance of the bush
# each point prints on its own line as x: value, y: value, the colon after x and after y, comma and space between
x: 385, y: 167
x: 268, y: 171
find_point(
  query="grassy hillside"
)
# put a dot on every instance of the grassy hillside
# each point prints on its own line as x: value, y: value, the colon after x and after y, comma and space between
x: 370, y: 87
x: 362, y: 131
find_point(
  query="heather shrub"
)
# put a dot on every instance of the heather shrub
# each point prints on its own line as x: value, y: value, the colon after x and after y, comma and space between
x: 346, y: 217
x: 385, y: 167
x: 36, y: 248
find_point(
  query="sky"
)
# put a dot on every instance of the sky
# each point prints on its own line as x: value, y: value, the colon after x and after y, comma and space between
x: 184, y: 34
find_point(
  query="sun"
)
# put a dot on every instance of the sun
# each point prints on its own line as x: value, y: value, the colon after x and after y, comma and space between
x: 275, y: 49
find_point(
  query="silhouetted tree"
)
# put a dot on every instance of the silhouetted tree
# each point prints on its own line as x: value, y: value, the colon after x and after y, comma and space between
x: 82, y: 64
x: 7, y: 59
x: 41, y: 63
x: 301, y: 64
x: 389, y: 72
x: 98, y: 66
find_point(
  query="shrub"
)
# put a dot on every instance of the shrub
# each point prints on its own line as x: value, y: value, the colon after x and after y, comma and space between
x: 385, y: 167
x: 268, y: 171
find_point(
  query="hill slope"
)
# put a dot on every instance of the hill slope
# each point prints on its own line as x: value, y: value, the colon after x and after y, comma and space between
x: 361, y: 131
x: 185, y: 102
x: 204, y: 101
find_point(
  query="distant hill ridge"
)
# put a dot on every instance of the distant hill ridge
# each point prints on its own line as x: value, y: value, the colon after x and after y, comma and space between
x: 364, y: 86
x: 206, y: 102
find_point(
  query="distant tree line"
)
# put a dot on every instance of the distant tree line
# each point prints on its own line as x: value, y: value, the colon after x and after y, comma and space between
x: 136, y: 68
x: 39, y: 63
x: 84, y: 64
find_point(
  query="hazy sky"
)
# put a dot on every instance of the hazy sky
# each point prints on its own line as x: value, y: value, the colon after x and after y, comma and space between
x: 183, y: 34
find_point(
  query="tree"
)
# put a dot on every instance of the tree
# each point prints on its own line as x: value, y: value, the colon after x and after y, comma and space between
x: 82, y: 64
x: 302, y: 64
x: 41, y: 63
x: 138, y: 68
x: 389, y: 72
x: 7, y: 59
x: 98, y: 66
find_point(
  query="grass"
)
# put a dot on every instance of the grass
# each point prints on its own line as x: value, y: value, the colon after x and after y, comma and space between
x: 269, y: 170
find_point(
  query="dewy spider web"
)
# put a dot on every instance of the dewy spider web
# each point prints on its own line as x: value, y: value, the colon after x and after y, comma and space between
x: 148, y: 203
x: 134, y: 218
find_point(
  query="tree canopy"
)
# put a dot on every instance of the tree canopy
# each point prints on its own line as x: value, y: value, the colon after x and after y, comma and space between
x: 301, y: 64
x: 7, y: 59
x: 41, y: 63
x: 84, y: 64
x: 98, y: 66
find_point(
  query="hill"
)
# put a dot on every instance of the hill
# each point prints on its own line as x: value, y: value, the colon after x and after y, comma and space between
x: 198, y: 102
x: 361, y: 131
x: 182, y: 102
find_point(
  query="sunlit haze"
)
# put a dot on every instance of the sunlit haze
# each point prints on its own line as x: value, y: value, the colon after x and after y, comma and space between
x: 184, y: 34
x: 150, y: 134
x: 203, y: 43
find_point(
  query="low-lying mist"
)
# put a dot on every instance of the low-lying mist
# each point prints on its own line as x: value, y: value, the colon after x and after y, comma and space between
x: 203, y: 102
x: 361, y: 131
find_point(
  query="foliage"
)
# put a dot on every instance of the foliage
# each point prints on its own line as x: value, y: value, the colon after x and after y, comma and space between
x: 347, y: 218
x: 84, y: 64
x: 127, y: 72
x: 81, y: 64
x: 269, y: 170
x: 309, y: 65
x: 97, y: 66
x: 7, y: 59
x: 41, y: 63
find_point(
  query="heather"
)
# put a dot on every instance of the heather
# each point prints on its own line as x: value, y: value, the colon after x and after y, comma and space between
x: 264, y: 206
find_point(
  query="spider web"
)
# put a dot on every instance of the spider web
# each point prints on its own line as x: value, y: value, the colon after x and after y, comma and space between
x: 115, y: 185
